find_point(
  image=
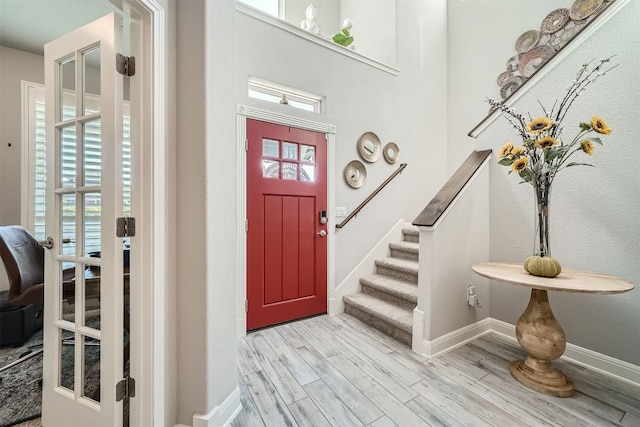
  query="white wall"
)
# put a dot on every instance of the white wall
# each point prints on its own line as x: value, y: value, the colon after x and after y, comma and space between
x: 458, y: 240
x: 15, y: 65
x: 374, y: 23
x: 594, y: 211
x: 361, y: 98
x: 481, y: 38
x: 206, y: 194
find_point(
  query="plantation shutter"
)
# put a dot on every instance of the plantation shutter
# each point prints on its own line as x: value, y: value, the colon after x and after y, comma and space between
x: 92, y: 170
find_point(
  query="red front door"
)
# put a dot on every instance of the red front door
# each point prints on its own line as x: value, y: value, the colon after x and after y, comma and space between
x: 286, y: 238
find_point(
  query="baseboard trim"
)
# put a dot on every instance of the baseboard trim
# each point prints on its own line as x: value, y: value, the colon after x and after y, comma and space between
x: 455, y: 339
x: 221, y: 415
x: 598, y: 362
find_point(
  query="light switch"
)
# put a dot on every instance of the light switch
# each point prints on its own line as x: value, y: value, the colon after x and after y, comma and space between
x: 341, y: 211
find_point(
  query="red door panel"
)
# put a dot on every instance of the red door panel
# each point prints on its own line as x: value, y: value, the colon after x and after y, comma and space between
x: 286, y: 255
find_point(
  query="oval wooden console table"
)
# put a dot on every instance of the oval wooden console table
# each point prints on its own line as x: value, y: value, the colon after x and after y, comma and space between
x: 537, y: 330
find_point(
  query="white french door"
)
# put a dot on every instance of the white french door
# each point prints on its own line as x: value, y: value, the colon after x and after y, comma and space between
x: 84, y: 330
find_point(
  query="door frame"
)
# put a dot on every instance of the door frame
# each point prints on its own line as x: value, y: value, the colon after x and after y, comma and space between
x: 149, y: 332
x: 243, y: 113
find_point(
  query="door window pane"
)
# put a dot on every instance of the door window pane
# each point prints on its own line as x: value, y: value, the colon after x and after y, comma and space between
x: 270, y: 169
x: 68, y: 88
x: 308, y: 153
x: 91, y: 379
x: 270, y: 148
x: 67, y: 360
x: 91, y: 80
x: 290, y: 151
x: 67, y: 170
x: 289, y: 170
x: 68, y: 224
x: 308, y: 173
x: 92, y: 153
x: 91, y: 223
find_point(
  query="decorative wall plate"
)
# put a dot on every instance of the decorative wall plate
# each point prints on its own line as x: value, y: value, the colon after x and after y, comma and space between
x: 563, y: 36
x: 512, y: 63
x: 527, y: 40
x: 544, y: 39
x: 554, y: 21
x: 355, y: 173
x: 503, y: 76
x: 391, y: 152
x: 369, y: 146
x: 534, y: 59
x: 510, y: 85
x: 582, y: 9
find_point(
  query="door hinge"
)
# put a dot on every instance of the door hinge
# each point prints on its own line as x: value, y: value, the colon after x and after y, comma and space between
x: 246, y: 145
x: 125, y: 388
x: 246, y: 225
x: 125, y: 226
x: 125, y: 65
x: 246, y: 306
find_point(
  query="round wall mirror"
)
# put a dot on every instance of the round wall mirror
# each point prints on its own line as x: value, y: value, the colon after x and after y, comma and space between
x: 391, y: 153
x: 369, y: 146
x: 355, y: 174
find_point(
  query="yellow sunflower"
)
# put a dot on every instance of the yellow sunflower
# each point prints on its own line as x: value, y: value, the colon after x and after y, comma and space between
x: 546, y: 142
x: 600, y: 126
x: 539, y: 125
x: 516, y: 152
x: 520, y: 164
x: 505, y: 150
x: 587, y: 146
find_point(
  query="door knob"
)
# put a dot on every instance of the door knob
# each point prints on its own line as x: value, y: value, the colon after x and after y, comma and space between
x: 322, y: 233
x: 47, y: 244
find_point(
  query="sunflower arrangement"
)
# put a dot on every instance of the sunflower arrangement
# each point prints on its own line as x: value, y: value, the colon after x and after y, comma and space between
x: 543, y: 152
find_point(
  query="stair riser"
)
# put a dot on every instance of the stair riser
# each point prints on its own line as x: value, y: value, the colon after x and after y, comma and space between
x: 398, y: 274
x: 398, y: 253
x: 413, y: 238
x: 393, y: 299
x: 379, y: 324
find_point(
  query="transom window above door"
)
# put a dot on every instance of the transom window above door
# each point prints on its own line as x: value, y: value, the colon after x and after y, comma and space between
x: 288, y: 160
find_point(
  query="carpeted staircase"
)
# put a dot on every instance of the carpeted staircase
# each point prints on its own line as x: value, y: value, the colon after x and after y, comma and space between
x: 389, y: 296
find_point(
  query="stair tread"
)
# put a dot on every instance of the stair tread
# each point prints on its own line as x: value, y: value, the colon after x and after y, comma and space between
x: 399, y: 288
x: 411, y: 230
x: 406, y: 246
x: 399, y: 263
x: 399, y: 317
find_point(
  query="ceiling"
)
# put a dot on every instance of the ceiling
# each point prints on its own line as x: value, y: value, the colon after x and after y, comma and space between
x: 29, y: 24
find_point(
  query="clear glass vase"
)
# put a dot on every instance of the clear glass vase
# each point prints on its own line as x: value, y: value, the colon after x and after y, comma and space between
x: 541, y: 245
x: 541, y: 263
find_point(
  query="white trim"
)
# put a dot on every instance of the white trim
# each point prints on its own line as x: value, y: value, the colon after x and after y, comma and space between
x: 584, y: 35
x: 284, y: 25
x: 284, y: 119
x: 244, y: 112
x: 454, y: 339
x: 590, y: 359
x: 223, y: 414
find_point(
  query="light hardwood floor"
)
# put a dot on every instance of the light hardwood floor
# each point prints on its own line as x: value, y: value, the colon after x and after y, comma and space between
x: 337, y: 371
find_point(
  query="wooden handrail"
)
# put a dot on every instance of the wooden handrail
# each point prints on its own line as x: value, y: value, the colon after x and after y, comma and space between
x: 436, y: 207
x: 371, y: 196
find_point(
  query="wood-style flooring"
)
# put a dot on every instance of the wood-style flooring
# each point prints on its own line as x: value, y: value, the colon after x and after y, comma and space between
x: 338, y: 371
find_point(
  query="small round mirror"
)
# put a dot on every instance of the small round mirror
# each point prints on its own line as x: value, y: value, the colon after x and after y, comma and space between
x: 391, y: 153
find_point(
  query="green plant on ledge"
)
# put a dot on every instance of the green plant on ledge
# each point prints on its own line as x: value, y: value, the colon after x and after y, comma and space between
x: 344, y: 38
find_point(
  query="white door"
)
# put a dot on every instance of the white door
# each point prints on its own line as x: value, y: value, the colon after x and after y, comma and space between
x: 84, y: 276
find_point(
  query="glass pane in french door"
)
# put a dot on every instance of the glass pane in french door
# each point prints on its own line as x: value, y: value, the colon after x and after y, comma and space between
x: 79, y: 197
